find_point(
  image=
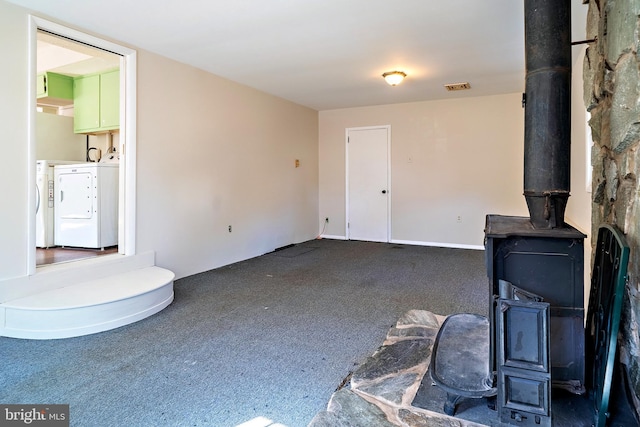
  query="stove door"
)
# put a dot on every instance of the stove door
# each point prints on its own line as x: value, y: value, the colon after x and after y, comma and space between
x: 524, y: 373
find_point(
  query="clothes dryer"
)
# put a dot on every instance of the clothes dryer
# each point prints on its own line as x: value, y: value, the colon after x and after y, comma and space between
x: 86, y: 198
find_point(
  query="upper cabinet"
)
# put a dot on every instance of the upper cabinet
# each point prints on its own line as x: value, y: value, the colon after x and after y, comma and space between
x: 110, y: 100
x: 96, y: 102
x: 54, y: 89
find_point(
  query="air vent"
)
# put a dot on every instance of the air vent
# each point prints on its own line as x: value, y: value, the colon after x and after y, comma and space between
x: 458, y: 86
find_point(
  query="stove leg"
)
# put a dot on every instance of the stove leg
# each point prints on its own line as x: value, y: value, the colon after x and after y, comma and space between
x: 491, y: 403
x: 451, y: 403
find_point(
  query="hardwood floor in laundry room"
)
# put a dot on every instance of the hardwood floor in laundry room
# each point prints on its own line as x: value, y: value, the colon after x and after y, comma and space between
x: 60, y: 254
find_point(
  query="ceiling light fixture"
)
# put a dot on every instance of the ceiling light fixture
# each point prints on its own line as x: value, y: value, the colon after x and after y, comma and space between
x: 394, y: 77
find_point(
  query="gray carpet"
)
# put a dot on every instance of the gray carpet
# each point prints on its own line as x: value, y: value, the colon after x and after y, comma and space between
x: 268, y: 337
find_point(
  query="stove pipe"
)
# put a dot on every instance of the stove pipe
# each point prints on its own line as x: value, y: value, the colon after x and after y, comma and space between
x: 547, y: 117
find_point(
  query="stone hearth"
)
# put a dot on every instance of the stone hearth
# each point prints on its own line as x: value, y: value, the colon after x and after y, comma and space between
x: 381, y: 391
x: 387, y: 389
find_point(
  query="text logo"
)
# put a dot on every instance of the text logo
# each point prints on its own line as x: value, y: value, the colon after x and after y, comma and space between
x: 34, y: 415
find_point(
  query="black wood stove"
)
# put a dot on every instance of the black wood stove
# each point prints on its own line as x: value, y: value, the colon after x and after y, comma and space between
x: 534, y: 336
x: 549, y: 264
x: 529, y: 346
x: 539, y: 342
x: 535, y: 265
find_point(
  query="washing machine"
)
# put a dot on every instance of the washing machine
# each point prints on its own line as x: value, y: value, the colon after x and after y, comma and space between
x: 45, y: 201
x: 86, y: 200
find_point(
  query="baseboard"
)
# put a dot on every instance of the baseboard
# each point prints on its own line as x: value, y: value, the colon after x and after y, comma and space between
x: 333, y: 237
x: 415, y: 243
x: 438, y: 244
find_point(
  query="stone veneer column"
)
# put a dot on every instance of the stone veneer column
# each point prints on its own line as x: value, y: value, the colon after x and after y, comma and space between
x: 612, y: 96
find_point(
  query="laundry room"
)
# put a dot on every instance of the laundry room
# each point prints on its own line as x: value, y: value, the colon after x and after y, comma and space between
x: 77, y: 150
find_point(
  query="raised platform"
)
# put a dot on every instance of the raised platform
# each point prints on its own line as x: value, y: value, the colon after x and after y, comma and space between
x: 88, y: 306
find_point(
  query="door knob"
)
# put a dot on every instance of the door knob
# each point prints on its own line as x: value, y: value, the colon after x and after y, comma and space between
x: 384, y: 191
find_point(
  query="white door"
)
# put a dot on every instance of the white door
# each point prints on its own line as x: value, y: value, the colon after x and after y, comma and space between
x: 368, y: 184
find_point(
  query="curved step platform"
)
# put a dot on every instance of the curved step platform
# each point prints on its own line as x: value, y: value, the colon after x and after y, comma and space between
x: 90, y: 306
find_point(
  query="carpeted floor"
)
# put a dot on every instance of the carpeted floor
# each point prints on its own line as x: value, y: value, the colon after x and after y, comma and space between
x: 267, y: 339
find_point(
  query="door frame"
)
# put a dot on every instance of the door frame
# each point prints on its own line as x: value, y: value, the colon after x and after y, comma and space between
x: 346, y: 145
x: 127, y: 170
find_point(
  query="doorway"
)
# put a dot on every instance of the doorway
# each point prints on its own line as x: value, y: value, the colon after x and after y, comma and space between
x: 97, y: 55
x: 61, y: 64
x: 368, y: 183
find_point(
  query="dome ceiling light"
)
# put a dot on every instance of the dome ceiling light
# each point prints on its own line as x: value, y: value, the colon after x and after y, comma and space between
x: 394, y: 77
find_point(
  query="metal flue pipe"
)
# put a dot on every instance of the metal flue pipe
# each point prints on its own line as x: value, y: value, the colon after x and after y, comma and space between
x: 547, y: 100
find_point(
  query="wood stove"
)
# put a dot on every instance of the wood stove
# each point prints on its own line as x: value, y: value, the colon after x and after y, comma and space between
x: 534, y: 337
x: 541, y: 255
x: 535, y: 265
x: 548, y: 263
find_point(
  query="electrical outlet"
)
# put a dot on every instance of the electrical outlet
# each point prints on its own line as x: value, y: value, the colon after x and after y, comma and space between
x: 229, y: 229
x: 459, y: 218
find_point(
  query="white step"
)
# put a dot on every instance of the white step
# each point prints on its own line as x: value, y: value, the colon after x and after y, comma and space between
x: 88, y: 307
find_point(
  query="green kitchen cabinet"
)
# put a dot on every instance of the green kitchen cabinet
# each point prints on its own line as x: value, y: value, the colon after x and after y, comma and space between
x: 110, y: 100
x: 97, y: 102
x: 54, y: 89
x: 86, y: 103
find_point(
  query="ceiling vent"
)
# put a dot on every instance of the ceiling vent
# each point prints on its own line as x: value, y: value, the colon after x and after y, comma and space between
x: 458, y: 86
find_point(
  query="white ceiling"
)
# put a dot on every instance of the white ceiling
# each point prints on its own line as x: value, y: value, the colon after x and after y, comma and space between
x: 325, y: 54
x: 64, y: 56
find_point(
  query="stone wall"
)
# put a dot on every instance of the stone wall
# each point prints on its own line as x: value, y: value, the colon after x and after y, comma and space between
x: 612, y: 96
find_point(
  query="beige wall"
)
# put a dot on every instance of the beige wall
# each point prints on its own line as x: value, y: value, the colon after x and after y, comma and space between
x: 13, y: 139
x: 55, y: 139
x: 578, y: 211
x: 213, y: 153
x: 579, y: 204
x: 210, y: 153
x: 448, y: 158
